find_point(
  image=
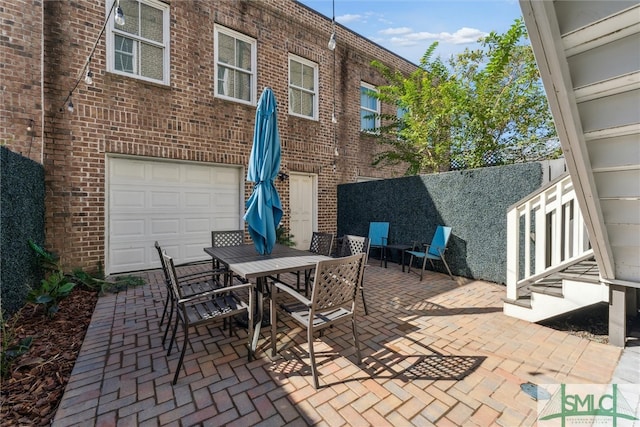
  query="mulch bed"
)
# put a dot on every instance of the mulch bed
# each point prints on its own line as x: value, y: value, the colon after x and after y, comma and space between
x: 591, y: 323
x: 31, y: 394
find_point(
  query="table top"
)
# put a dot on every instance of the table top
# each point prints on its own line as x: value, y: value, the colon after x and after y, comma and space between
x: 244, y: 261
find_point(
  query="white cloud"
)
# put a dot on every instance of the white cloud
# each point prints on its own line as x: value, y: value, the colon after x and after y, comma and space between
x: 464, y: 35
x: 349, y: 18
x: 408, y: 38
x: 395, y: 31
x: 403, y: 41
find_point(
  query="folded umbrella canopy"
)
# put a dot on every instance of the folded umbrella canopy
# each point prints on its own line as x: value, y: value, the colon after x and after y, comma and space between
x: 264, y: 210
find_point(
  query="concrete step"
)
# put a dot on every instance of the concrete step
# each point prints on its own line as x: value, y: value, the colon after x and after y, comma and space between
x: 540, y: 306
x: 574, y: 287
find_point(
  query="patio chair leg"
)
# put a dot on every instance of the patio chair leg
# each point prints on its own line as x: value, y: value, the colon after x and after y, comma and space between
x: 424, y: 265
x: 164, y: 313
x: 448, y: 270
x: 312, y: 358
x: 307, y: 278
x: 231, y: 324
x: 184, y: 349
x: 364, y: 302
x: 355, y: 340
x: 173, y: 338
x: 274, y: 321
x: 169, y: 319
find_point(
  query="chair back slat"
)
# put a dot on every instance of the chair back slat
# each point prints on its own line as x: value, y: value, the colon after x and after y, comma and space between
x: 352, y: 245
x: 223, y: 239
x: 336, y: 283
x: 321, y: 243
x: 162, y: 262
x: 173, y: 277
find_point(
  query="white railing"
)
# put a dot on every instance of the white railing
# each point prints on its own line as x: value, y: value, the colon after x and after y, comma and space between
x: 544, y: 232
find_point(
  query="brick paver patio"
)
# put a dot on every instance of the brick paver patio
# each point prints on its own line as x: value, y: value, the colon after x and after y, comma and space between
x: 436, y: 352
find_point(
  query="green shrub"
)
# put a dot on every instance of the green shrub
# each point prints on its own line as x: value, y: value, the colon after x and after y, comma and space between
x: 54, y: 287
x: 283, y: 237
x: 47, y: 260
x: 52, y: 290
x: 99, y: 284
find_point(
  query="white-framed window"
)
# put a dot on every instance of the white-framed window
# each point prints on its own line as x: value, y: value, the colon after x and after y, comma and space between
x: 303, y: 87
x: 369, y: 108
x: 235, y: 64
x: 140, y: 47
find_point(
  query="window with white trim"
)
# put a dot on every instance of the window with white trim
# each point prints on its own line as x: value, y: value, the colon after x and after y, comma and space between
x: 303, y: 87
x: 235, y: 65
x: 369, y: 108
x: 140, y: 47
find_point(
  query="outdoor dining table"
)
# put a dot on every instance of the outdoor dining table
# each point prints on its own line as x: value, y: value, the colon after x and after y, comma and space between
x: 245, y: 262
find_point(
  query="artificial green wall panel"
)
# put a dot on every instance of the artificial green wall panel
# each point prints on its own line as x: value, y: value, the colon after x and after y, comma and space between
x: 473, y: 202
x: 21, y: 219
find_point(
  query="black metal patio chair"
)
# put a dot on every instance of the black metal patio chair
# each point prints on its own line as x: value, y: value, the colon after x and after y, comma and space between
x: 203, y: 308
x: 352, y: 245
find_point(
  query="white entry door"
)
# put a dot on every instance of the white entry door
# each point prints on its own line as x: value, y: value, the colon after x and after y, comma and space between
x: 176, y: 203
x: 303, y: 203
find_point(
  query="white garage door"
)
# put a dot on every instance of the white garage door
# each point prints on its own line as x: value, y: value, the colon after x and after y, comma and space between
x: 177, y: 204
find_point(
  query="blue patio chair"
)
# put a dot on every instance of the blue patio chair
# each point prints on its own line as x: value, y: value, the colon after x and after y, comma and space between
x: 378, y: 236
x: 434, y: 251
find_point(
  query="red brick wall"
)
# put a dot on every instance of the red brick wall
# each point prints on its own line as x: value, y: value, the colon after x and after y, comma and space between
x: 20, y: 81
x: 185, y: 121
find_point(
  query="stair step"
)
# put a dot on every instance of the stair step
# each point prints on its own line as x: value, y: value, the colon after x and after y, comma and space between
x: 551, y: 288
x: 580, y: 277
x: 583, y: 268
x: 523, y: 301
x: 548, y: 281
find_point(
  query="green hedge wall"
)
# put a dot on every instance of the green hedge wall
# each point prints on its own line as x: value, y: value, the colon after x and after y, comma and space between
x: 473, y: 202
x: 21, y: 219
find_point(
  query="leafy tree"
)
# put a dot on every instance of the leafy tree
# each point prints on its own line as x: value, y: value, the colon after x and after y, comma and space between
x: 419, y: 134
x: 483, y: 103
x: 503, y: 111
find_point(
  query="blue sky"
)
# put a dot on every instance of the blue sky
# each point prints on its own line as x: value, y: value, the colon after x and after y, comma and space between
x: 408, y: 27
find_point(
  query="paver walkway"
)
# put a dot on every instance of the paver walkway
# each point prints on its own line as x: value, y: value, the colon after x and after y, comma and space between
x: 436, y: 352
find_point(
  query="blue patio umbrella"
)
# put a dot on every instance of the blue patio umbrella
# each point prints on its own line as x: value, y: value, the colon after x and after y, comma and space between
x: 264, y: 209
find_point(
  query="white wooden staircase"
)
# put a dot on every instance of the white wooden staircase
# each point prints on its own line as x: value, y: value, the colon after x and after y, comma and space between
x: 551, y: 266
x: 589, y: 61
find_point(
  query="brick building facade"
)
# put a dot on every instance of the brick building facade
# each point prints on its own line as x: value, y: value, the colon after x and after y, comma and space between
x: 179, y: 116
